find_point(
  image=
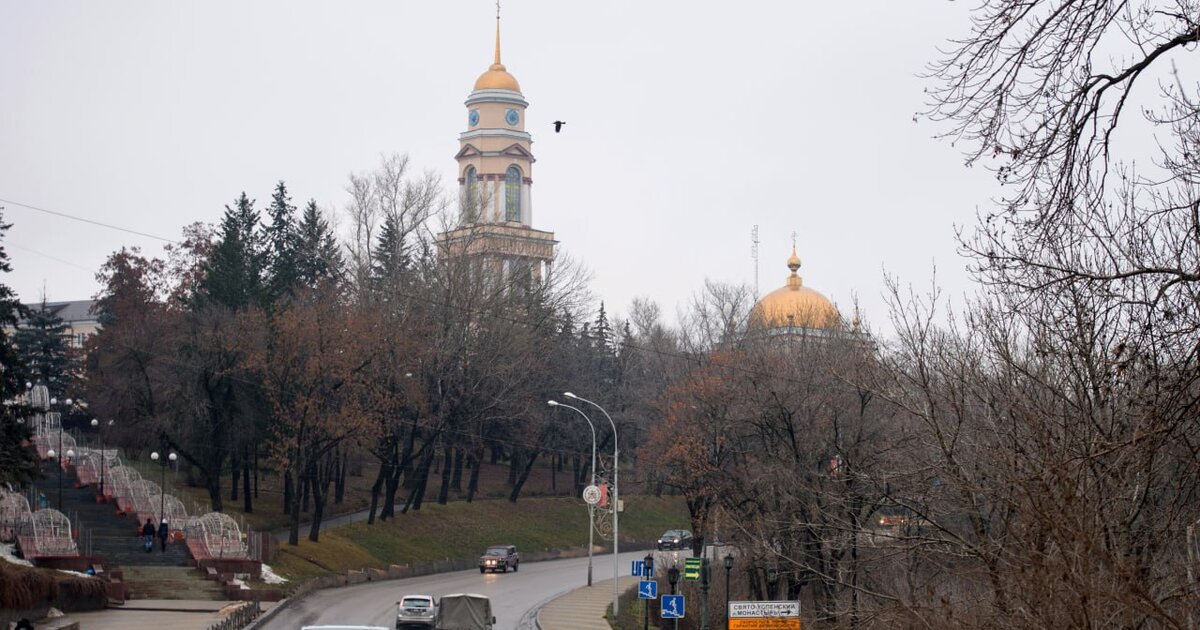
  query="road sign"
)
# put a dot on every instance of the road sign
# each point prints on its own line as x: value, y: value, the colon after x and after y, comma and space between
x: 776, y: 615
x: 691, y: 568
x: 672, y: 607
x: 638, y: 568
x: 647, y: 589
x: 591, y: 495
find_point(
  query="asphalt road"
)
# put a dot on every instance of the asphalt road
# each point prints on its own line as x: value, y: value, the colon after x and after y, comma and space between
x: 515, y: 596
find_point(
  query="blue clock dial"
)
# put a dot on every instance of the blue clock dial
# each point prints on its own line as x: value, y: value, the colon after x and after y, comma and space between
x: 473, y: 117
x: 511, y: 117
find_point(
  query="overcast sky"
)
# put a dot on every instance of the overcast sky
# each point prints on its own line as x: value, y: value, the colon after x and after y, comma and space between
x: 688, y: 124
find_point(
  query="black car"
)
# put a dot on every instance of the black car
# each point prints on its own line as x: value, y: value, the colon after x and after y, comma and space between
x: 675, y: 539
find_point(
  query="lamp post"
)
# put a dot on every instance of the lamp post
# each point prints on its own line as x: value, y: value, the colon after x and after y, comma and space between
x: 728, y: 568
x: 673, y: 579
x: 591, y: 507
x: 648, y: 562
x: 616, y: 500
x: 51, y: 453
x: 96, y: 423
x: 704, y: 583
x: 162, y: 492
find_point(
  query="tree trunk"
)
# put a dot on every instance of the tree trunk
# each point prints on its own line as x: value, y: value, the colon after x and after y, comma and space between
x: 530, y: 460
x: 473, y: 484
x: 322, y: 476
x: 256, y: 472
x: 294, y: 524
x: 233, y: 485
x: 304, y: 484
x: 214, y: 492
x: 287, y: 492
x: 514, y: 462
x: 247, y: 501
x: 456, y: 480
x: 554, y: 459
x: 384, y: 468
x: 339, y: 492
x: 447, y: 468
x: 417, y: 496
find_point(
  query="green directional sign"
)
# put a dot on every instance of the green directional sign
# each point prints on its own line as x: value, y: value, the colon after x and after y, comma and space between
x: 691, y: 568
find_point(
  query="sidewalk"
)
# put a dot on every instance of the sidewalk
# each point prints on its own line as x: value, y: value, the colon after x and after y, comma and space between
x: 582, y: 608
x: 152, y: 614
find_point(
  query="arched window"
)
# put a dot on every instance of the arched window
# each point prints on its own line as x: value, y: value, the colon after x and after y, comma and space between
x: 512, y: 194
x: 471, y: 202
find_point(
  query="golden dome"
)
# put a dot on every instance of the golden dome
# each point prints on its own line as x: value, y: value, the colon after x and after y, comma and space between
x: 497, y: 76
x: 795, y: 305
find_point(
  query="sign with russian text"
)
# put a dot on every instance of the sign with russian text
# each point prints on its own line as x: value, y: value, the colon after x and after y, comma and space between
x: 775, y: 615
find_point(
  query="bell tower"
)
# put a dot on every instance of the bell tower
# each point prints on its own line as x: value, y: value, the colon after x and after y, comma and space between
x: 495, y: 178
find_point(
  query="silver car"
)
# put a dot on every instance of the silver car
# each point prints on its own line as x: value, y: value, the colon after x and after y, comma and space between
x: 415, y: 611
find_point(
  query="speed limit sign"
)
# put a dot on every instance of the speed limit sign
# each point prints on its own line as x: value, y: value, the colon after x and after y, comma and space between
x: 591, y: 495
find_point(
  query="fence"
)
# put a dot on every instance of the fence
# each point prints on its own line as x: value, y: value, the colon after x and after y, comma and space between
x: 239, y: 618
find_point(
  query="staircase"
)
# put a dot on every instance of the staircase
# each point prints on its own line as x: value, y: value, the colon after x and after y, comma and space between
x: 162, y: 582
x: 117, y: 544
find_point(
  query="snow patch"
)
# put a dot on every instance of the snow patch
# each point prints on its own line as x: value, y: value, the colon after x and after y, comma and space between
x: 9, y: 552
x: 270, y: 577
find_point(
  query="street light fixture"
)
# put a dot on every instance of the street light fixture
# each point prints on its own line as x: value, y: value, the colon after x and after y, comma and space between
x: 616, y: 498
x: 673, y: 579
x: 728, y: 568
x: 96, y: 424
x: 591, y: 507
x: 162, y: 491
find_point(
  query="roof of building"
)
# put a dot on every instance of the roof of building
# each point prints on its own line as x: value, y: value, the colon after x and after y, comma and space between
x: 74, y: 311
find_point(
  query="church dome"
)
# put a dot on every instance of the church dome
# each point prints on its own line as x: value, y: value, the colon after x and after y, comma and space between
x: 497, y: 76
x: 795, y: 305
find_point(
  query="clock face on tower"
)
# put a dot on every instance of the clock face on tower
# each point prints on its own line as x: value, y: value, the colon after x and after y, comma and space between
x: 473, y: 117
x: 511, y: 117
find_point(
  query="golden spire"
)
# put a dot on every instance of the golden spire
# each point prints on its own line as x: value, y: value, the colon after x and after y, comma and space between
x: 498, y: 35
x: 497, y: 76
x: 793, y: 263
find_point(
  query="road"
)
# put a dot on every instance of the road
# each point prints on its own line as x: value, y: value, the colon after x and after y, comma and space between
x: 513, y: 595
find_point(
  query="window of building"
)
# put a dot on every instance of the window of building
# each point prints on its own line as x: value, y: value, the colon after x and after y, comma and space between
x: 471, y: 203
x: 512, y: 194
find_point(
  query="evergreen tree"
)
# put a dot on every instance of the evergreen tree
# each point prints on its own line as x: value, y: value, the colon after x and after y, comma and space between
x: 236, y: 265
x: 18, y: 462
x: 317, y: 252
x: 42, y: 340
x: 391, y: 256
x: 281, y: 238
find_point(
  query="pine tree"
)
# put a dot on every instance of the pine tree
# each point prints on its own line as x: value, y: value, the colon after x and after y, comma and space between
x: 391, y: 256
x: 235, y: 268
x: 282, y: 244
x: 317, y: 253
x: 18, y: 462
x: 42, y: 340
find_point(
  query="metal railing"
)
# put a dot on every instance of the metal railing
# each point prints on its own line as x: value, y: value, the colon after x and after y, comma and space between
x: 240, y: 618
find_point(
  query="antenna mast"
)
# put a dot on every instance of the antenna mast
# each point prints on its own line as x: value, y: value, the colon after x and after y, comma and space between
x: 754, y: 255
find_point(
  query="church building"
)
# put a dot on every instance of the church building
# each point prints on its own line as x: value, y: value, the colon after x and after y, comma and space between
x: 495, y: 178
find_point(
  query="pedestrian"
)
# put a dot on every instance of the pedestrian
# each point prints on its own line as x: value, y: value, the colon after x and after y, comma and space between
x: 148, y: 535
x: 163, y: 531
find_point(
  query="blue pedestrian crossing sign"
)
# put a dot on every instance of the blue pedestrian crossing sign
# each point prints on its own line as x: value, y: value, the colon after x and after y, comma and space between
x: 647, y: 589
x: 672, y: 607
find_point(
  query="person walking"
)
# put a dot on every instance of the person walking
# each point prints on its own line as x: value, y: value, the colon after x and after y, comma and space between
x: 163, y: 532
x: 148, y: 535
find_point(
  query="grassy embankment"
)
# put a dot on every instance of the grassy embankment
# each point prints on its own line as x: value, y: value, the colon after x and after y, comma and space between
x: 462, y: 530
x: 546, y: 517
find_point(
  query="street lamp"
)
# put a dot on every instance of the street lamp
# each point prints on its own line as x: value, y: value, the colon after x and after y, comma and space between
x: 96, y: 423
x: 728, y: 568
x: 673, y: 579
x: 591, y: 507
x: 648, y: 562
x: 51, y: 453
x: 162, y: 481
x: 616, y: 500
